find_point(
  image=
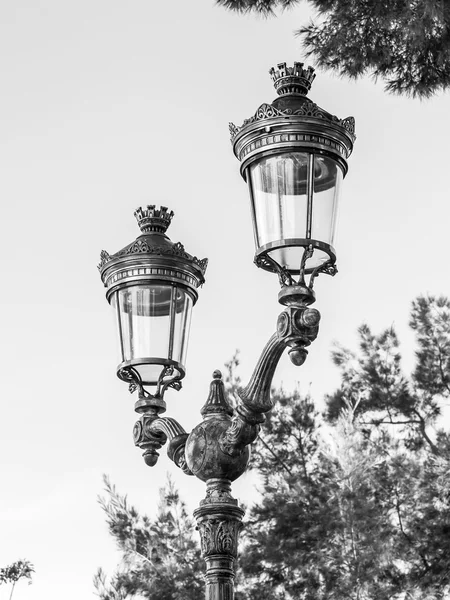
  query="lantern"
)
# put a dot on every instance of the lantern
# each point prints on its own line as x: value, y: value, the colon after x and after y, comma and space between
x: 152, y: 285
x: 294, y: 157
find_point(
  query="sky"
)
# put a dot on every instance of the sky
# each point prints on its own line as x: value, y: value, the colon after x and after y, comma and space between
x: 107, y: 106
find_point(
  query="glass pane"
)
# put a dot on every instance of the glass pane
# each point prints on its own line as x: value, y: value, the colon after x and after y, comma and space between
x: 182, y: 325
x: 144, y: 317
x: 327, y: 179
x: 279, y: 189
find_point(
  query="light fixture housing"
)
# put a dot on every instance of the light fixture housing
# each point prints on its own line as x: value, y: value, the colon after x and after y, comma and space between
x: 293, y: 156
x: 152, y: 284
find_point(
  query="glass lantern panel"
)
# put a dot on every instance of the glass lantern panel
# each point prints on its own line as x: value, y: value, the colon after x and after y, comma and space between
x: 144, y: 321
x: 327, y: 180
x: 279, y: 194
x: 182, y: 323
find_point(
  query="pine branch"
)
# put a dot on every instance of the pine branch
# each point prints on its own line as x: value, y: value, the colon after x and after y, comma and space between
x: 277, y: 458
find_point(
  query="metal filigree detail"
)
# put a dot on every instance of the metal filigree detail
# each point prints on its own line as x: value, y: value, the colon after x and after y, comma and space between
x: 104, y: 258
x: 234, y: 130
x: 348, y: 124
x: 207, y: 537
x: 328, y: 268
x: 219, y: 537
x: 265, y: 111
x: 219, y: 521
x: 309, y: 109
x: 141, y: 246
x: 202, y: 263
x: 265, y: 261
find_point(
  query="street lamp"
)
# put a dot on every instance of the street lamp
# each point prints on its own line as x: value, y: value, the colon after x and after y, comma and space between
x: 152, y: 286
x: 293, y: 156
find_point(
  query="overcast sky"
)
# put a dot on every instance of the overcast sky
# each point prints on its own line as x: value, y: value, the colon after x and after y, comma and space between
x: 109, y: 105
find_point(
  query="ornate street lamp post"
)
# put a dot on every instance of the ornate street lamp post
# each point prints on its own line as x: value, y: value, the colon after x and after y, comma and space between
x: 293, y: 156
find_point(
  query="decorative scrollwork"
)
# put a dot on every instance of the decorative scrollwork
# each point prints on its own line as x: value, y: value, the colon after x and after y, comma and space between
x: 176, y: 385
x: 328, y: 268
x: 234, y: 130
x: 286, y: 279
x: 202, y: 263
x: 310, y: 109
x: 104, y: 258
x: 348, y: 124
x: 178, y: 249
x: 265, y: 111
x: 219, y: 531
x: 141, y: 246
x: 207, y: 536
x: 267, y: 262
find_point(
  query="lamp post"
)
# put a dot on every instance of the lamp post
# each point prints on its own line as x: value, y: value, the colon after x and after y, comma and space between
x: 293, y: 156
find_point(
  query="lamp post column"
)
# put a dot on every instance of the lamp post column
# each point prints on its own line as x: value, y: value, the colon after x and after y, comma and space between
x: 219, y: 521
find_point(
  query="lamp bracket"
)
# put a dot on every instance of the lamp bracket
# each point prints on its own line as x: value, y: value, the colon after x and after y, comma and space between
x: 151, y: 432
x: 168, y: 377
x: 286, y: 278
x: 297, y: 327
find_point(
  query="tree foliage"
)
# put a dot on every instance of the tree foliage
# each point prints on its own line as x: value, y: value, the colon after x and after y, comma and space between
x: 354, y: 503
x: 406, y: 43
x: 160, y: 556
x: 359, y: 508
x: 21, y: 569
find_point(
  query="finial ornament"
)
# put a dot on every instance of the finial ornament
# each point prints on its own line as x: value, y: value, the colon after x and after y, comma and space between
x: 152, y: 219
x: 292, y: 80
x: 217, y: 400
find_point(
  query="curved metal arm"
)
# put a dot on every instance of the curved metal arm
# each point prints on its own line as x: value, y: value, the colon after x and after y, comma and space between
x: 254, y: 399
x: 256, y: 395
x: 152, y: 432
x: 177, y: 437
x: 297, y: 327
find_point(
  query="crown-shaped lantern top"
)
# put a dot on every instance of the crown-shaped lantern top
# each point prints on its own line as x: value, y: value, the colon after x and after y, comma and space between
x: 292, y: 80
x: 152, y: 219
x: 292, y: 122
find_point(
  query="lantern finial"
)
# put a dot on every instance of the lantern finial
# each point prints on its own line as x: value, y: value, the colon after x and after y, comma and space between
x: 292, y: 80
x: 153, y: 219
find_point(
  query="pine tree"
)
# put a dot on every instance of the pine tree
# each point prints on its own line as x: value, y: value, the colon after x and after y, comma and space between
x: 160, y: 557
x: 358, y: 508
x: 406, y: 43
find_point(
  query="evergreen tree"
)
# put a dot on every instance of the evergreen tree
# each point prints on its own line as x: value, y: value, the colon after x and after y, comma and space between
x: 21, y: 569
x: 160, y: 557
x: 404, y: 42
x: 359, y: 508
